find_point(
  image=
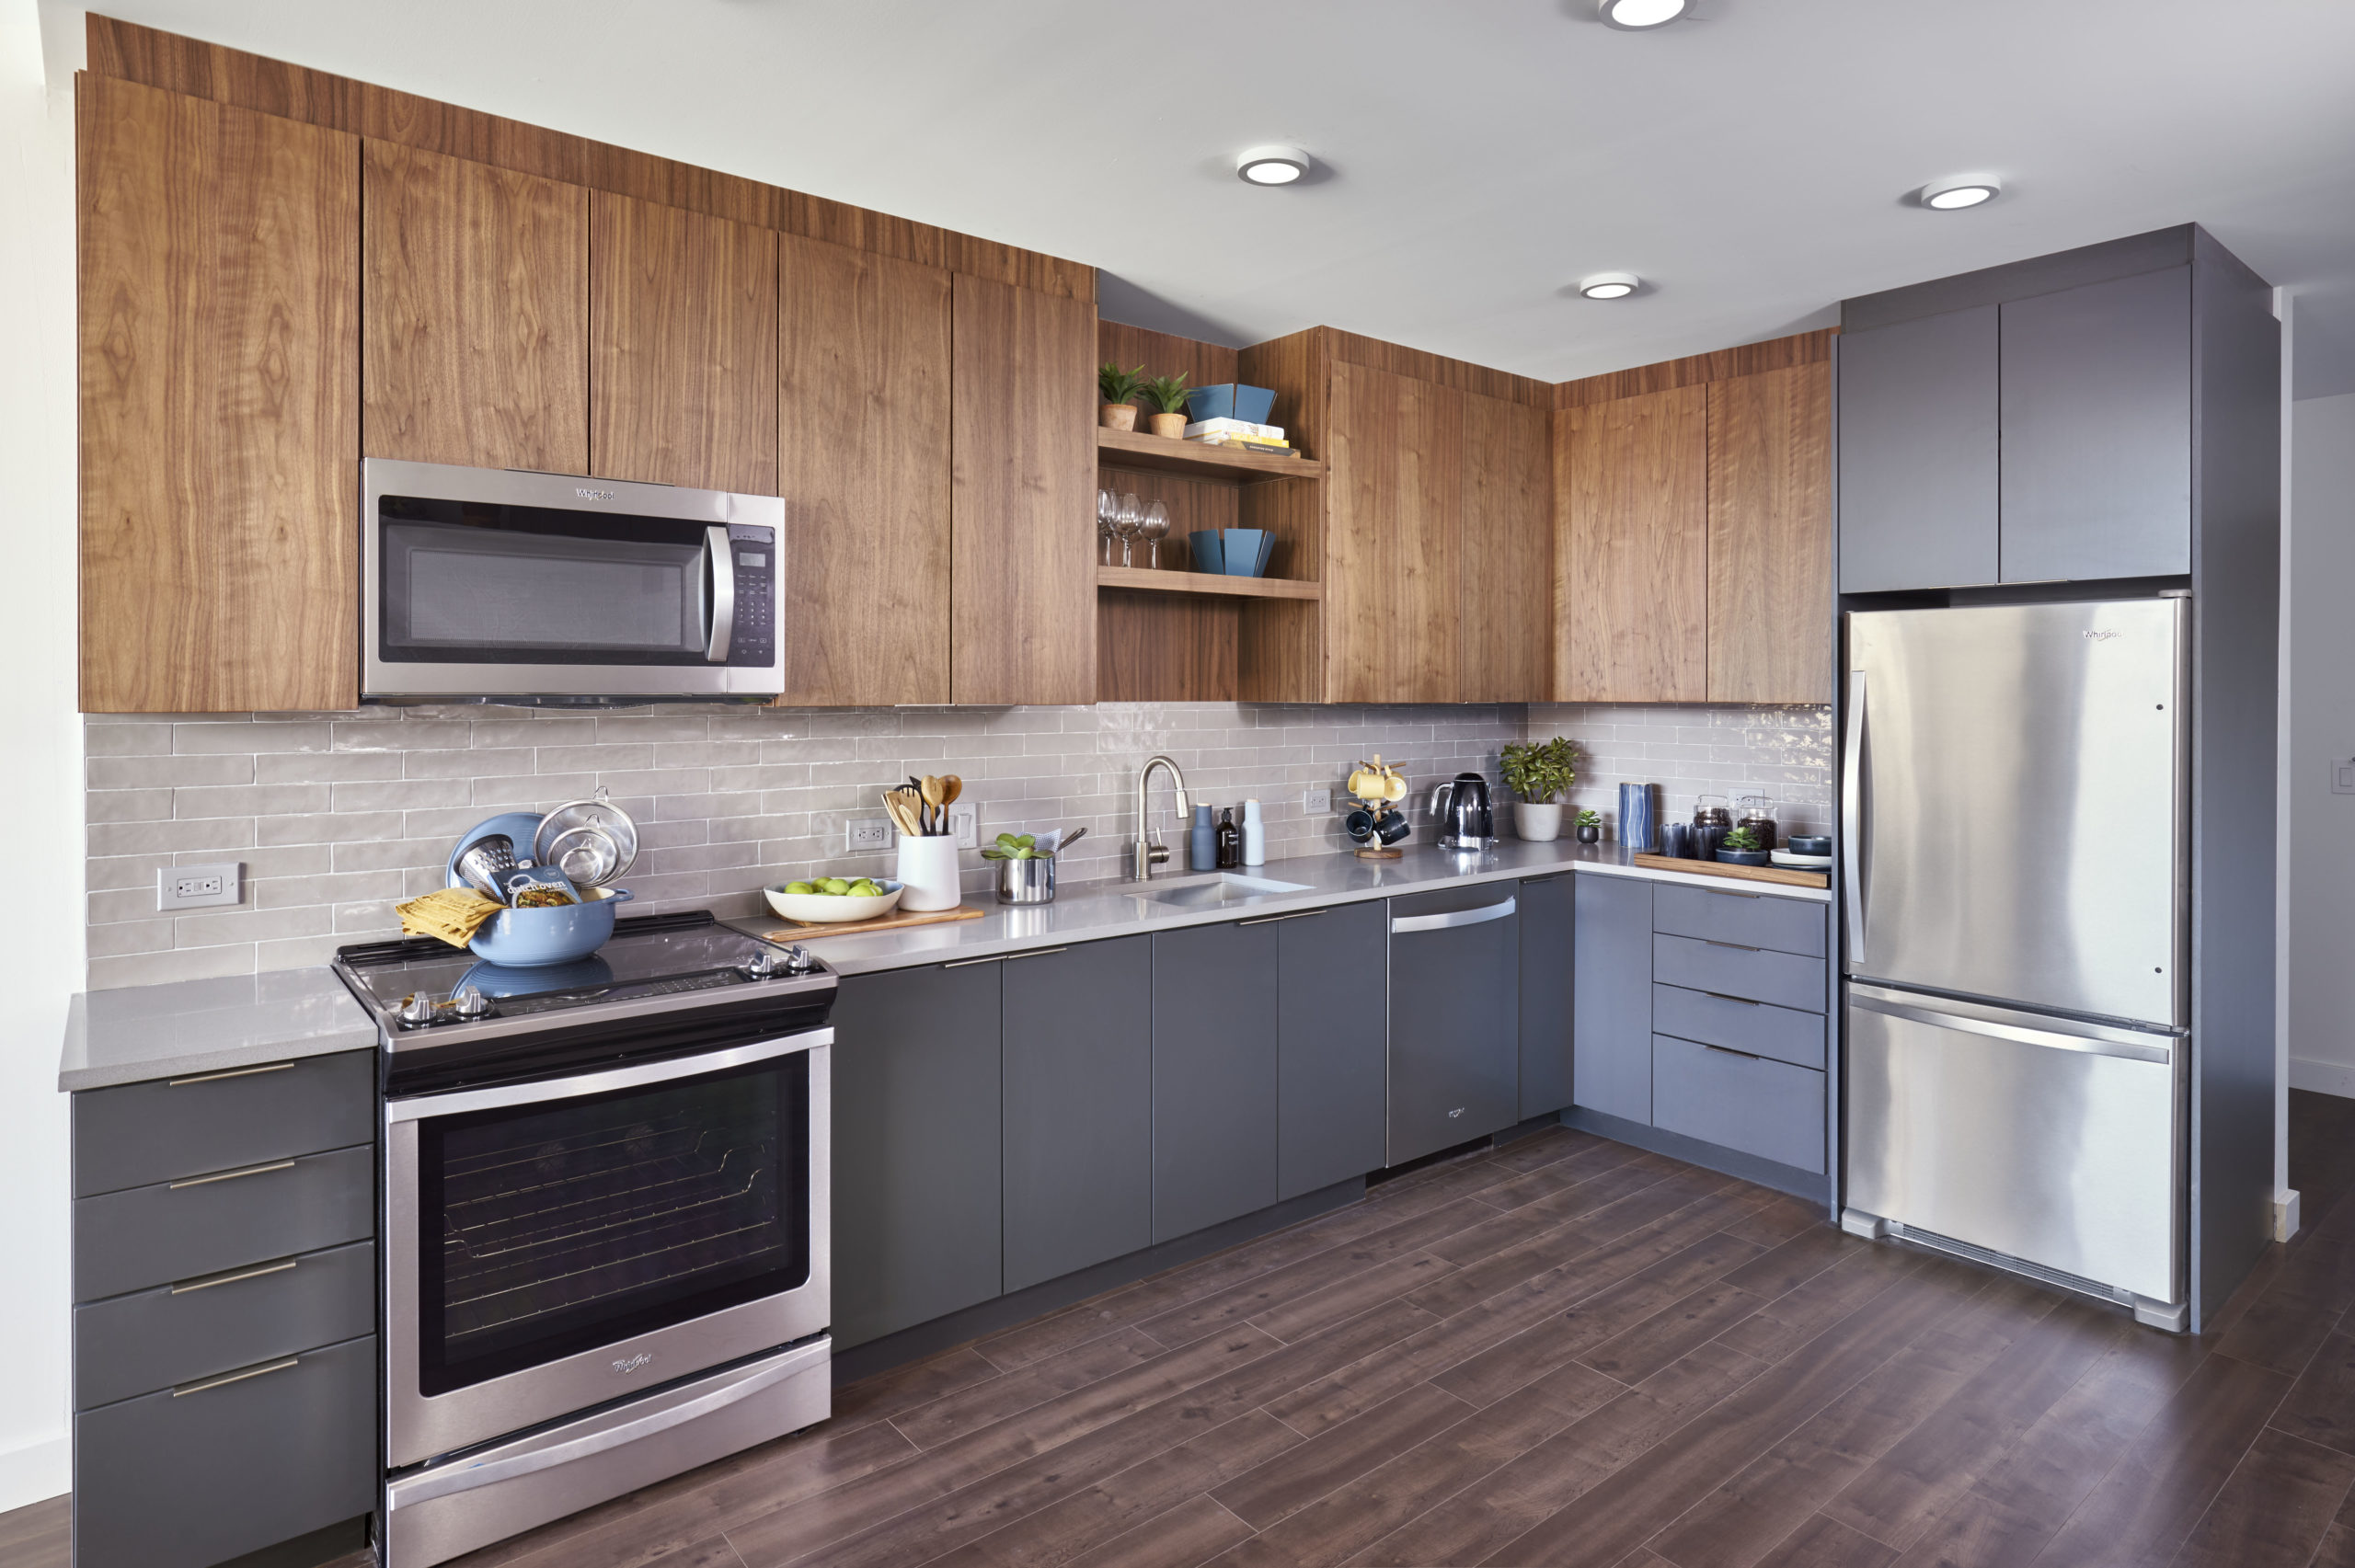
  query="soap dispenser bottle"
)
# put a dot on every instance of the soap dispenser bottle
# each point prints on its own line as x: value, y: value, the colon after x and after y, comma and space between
x: 1255, y: 835
x: 1230, y: 840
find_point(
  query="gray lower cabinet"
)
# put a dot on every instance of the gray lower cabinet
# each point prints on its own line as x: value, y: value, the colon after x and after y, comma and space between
x: 1919, y: 406
x: 1077, y: 1106
x: 1455, y: 1018
x: 144, y: 1236
x: 1738, y: 1101
x: 916, y: 1144
x: 1612, y: 995
x: 1548, y: 920
x: 1329, y: 1045
x: 139, y: 1134
x: 1215, y: 1075
x: 220, y: 1466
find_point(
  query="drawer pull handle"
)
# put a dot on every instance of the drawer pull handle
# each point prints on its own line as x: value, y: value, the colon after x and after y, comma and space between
x: 1295, y: 915
x: 1737, y: 946
x: 207, y: 1281
x: 229, y: 1072
x: 1746, y: 1002
x: 1729, y: 1051
x: 1038, y: 953
x: 968, y: 963
x: 233, y: 1175
x: 225, y: 1378
x: 1402, y: 924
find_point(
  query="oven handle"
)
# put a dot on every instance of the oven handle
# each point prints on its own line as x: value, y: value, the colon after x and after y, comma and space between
x: 424, y: 1107
x: 723, y: 561
x: 466, y: 1478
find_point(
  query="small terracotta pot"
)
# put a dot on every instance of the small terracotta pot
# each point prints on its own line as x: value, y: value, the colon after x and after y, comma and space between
x: 1170, y: 425
x: 1117, y: 416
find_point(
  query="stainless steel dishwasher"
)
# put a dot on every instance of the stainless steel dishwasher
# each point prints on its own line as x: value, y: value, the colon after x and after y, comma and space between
x: 1455, y: 1018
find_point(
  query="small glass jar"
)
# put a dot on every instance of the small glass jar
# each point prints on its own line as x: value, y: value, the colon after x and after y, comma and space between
x: 1756, y: 812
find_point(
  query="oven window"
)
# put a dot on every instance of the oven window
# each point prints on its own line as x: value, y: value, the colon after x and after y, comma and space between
x: 545, y: 1230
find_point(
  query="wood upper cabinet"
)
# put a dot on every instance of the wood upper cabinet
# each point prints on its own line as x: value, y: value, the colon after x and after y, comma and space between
x: 1632, y: 546
x: 1022, y: 495
x: 1504, y: 629
x: 219, y: 281
x: 862, y: 437
x: 1393, y: 581
x: 477, y: 337
x: 683, y: 347
x: 1770, y: 536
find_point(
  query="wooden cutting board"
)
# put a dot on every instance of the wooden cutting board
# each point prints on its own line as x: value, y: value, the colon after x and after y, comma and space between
x: 804, y: 930
x: 1789, y: 877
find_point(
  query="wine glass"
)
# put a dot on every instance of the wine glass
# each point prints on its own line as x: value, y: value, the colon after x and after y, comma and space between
x: 1155, y: 524
x: 1106, y: 508
x: 1125, y: 524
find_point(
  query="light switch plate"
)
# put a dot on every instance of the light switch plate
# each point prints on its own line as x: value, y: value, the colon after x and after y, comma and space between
x: 965, y: 823
x: 2342, y: 775
x: 870, y: 833
x: 199, y: 887
x: 1315, y: 801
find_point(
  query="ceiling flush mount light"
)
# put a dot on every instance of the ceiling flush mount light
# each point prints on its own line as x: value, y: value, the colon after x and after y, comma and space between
x: 1634, y: 16
x: 1275, y: 163
x: 1964, y: 190
x: 1608, y: 285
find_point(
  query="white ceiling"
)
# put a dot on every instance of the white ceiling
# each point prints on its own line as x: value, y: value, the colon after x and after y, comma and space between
x: 1476, y: 156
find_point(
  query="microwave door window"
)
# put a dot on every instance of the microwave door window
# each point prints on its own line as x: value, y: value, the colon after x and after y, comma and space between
x: 476, y: 595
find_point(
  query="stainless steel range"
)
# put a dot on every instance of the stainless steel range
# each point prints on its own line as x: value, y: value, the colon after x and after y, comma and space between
x: 605, y: 1191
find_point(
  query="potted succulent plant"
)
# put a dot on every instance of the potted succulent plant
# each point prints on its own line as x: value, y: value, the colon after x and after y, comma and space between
x: 1118, y: 388
x: 1590, y: 826
x: 1741, y: 847
x: 1166, y: 396
x: 1537, y: 773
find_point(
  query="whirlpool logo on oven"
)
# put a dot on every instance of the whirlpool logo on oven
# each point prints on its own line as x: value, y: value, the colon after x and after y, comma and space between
x: 629, y: 1364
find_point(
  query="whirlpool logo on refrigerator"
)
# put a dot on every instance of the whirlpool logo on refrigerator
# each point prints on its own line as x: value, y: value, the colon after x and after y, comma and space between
x: 2099, y: 636
x: 629, y: 1364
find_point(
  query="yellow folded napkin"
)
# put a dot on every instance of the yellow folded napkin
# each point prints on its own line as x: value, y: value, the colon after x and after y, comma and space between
x: 454, y: 914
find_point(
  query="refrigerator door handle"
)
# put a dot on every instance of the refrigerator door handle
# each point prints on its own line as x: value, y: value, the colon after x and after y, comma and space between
x: 2057, y: 1033
x: 1852, y: 817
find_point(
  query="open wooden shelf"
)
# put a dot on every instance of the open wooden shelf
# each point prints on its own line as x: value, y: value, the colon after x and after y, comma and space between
x: 1159, y: 454
x: 1153, y: 581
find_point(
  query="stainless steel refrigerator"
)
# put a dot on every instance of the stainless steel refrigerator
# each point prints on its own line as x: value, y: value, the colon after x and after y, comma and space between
x: 2016, y: 882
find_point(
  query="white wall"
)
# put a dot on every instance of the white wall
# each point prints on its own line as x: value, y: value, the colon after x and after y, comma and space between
x: 2321, y: 677
x: 41, y: 751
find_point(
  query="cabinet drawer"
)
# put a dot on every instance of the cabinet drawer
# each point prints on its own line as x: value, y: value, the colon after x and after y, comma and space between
x: 1786, y: 979
x: 169, y: 1128
x: 1761, y: 1029
x: 1747, y: 920
x: 153, y: 1235
x: 200, y: 1328
x: 213, y: 1470
x: 1767, y: 1108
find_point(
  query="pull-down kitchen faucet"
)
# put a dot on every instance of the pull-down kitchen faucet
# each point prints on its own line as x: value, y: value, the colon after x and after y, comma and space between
x: 1150, y: 853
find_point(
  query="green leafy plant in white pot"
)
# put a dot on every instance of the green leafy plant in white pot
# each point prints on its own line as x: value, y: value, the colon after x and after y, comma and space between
x: 1539, y: 773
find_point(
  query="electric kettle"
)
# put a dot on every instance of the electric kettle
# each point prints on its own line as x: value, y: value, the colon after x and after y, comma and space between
x: 1461, y: 809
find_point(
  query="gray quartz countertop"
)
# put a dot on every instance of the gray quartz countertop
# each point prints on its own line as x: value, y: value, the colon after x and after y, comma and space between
x: 1093, y: 911
x: 192, y: 1027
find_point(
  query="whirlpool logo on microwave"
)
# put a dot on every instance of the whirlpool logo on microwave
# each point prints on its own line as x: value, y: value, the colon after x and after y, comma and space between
x: 629, y: 1364
x: 586, y: 494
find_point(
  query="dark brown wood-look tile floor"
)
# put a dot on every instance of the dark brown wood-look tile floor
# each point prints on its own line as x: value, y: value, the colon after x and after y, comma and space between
x: 1565, y: 1353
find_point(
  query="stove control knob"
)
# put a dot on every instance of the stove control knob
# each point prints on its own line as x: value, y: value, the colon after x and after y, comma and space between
x: 797, y: 961
x: 763, y: 963
x: 470, y: 1004
x: 417, y: 1010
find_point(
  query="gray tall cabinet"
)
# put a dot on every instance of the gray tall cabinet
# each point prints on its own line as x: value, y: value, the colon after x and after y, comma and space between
x: 2107, y: 421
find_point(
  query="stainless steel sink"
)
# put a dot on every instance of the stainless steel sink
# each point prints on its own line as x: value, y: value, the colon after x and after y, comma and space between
x: 1212, y: 889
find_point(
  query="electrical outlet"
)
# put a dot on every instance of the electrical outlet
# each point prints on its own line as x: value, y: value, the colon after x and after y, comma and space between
x: 870, y: 833
x: 1315, y: 801
x: 199, y: 886
x: 2342, y: 775
x: 965, y: 824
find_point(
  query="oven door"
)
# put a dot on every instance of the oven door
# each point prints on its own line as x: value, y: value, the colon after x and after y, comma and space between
x: 551, y: 1246
x: 482, y: 583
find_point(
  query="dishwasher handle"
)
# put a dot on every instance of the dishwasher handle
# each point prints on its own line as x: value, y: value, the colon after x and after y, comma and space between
x: 1401, y: 924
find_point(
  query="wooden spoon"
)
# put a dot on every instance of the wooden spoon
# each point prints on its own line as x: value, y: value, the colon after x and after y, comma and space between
x: 935, y: 795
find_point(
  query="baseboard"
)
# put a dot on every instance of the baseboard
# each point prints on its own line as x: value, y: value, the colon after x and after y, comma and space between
x: 36, y: 1472
x: 1812, y: 1186
x: 2323, y: 1077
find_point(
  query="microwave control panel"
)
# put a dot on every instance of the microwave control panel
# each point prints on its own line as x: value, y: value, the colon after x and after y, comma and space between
x: 755, y: 550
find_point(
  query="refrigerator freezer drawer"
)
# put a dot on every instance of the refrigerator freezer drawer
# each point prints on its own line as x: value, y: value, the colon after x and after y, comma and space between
x: 2057, y: 1142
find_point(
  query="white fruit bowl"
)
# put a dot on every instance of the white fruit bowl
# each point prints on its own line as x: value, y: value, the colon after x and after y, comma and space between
x: 827, y: 908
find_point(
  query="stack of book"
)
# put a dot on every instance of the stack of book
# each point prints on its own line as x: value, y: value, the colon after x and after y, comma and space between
x: 1240, y: 435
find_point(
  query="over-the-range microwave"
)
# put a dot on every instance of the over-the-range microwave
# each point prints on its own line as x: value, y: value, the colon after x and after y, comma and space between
x: 488, y: 584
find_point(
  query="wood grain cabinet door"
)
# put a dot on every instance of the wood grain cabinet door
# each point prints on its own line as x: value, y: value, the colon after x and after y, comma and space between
x: 477, y: 337
x: 683, y: 344
x: 863, y: 453
x: 1393, y: 584
x: 1506, y: 612
x: 1770, y: 536
x: 219, y: 274
x: 1633, y: 548
x: 1022, y: 495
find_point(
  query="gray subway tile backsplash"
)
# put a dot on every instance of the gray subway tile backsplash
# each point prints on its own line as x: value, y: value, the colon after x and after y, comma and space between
x: 338, y: 816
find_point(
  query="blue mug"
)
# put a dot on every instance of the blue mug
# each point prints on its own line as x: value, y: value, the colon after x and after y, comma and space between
x: 1639, y: 823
